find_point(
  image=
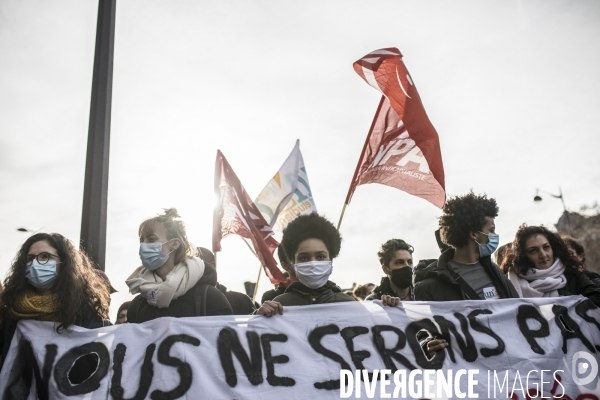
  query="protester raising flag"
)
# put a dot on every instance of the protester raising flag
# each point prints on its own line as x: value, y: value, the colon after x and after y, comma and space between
x: 237, y: 214
x: 288, y: 194
x: 402, y: 149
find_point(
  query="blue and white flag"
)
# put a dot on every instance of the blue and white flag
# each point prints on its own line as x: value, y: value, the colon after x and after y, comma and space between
x: 288, y: 194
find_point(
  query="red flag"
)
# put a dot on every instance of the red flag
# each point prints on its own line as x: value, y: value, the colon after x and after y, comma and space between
x: 237, y: 214
x: 402, y: 149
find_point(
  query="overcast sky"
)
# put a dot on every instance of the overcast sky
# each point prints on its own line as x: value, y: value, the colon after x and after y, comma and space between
x: 511, y: 87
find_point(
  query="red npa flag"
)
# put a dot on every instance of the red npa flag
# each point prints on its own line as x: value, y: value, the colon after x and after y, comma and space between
x: 402, y: 149
x: 237, y: 214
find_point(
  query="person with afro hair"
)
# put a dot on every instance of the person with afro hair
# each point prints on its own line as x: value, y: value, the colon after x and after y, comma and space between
x: 465, y: 271
x: 311, y: 242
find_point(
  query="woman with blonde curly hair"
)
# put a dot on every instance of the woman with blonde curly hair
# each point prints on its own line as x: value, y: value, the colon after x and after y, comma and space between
x: 172, y: 280
x: 50, y: 280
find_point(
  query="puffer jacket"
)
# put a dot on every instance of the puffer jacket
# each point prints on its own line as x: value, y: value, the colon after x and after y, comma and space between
x: 435, y: 282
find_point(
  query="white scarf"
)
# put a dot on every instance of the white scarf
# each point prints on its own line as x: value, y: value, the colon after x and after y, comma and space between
x: 159, y: 293
x: 540, y: 282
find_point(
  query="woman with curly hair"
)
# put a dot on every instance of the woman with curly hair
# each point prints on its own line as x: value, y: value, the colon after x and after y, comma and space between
x: 578, y: 251
x: 311, y: 242
x: 50, y: 280
x: 465, y: 271
x: 172, y: 280
x: 540, y: 265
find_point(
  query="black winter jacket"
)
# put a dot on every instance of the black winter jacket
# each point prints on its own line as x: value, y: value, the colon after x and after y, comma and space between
x: 385, y: 288
x: 594, y: 277
x: 184, y: 306
x: 9, y: 326
x: 241, y: 303
x: 271, y: 294
x: 435, y: 282
x: 579, y: 283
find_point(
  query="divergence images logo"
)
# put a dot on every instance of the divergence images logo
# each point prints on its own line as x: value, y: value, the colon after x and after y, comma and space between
x: 584, y: 368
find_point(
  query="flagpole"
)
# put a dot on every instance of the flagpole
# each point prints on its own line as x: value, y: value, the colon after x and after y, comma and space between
x: 350, y: 189
x: 256, y: 286
x: 341, y: 216
x: 251, y: 249
x: 259, y: 271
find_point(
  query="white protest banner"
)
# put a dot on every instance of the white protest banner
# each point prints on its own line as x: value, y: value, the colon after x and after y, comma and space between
x: 513, y: 348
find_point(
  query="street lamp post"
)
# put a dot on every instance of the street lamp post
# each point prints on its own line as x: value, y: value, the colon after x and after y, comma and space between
x: 95, y: 192
x: 559, y: 196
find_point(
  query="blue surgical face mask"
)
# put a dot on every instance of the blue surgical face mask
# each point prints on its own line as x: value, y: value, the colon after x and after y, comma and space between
x: 488, y: 248
x: 41, y: 276
x: 152, y: 256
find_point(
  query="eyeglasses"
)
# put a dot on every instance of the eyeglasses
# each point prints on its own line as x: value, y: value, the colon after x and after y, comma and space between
x: 41, y: 258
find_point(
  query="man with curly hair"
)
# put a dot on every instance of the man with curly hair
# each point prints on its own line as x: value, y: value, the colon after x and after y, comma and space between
x: 311, y: 242
x: 465, y: 271
x: 395, y: 257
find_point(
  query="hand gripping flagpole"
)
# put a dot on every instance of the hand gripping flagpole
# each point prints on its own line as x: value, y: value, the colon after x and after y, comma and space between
x: 362, y: 154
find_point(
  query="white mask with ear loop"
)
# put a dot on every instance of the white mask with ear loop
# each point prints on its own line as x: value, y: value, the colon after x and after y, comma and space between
x: 313, y: 274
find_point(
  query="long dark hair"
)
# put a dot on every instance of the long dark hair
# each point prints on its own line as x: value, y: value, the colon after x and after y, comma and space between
x: 516, y: 258
x: 81, y: 293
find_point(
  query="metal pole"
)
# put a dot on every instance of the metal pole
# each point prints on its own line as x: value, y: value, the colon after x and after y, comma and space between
x: 93, y: 216
x: 565, y: 211
x: 562, y: 199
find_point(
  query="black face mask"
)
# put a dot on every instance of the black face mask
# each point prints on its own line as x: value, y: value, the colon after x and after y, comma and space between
x: 401, y: 277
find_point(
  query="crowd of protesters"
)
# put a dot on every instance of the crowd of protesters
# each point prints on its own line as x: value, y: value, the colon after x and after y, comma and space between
x: 51, y: 280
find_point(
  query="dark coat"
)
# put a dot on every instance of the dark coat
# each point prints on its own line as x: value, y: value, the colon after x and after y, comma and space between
x: 241, y: 303
x: 385, y: 288
x: 434, y: 282
x: 594, y: 277
x: 9, y: 326
x: 184, y: 306
x: 579, y: 283
x: 271, y: 294
x: 299, y: 295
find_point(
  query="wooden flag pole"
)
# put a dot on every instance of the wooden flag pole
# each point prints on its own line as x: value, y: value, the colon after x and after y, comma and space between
x: 251, y: 249
x: 256, y: 286
x: 341, y: 216
x: 259, y: 271
x: 362, y: 154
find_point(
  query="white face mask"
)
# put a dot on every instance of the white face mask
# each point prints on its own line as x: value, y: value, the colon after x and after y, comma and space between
x: 313, y: 274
